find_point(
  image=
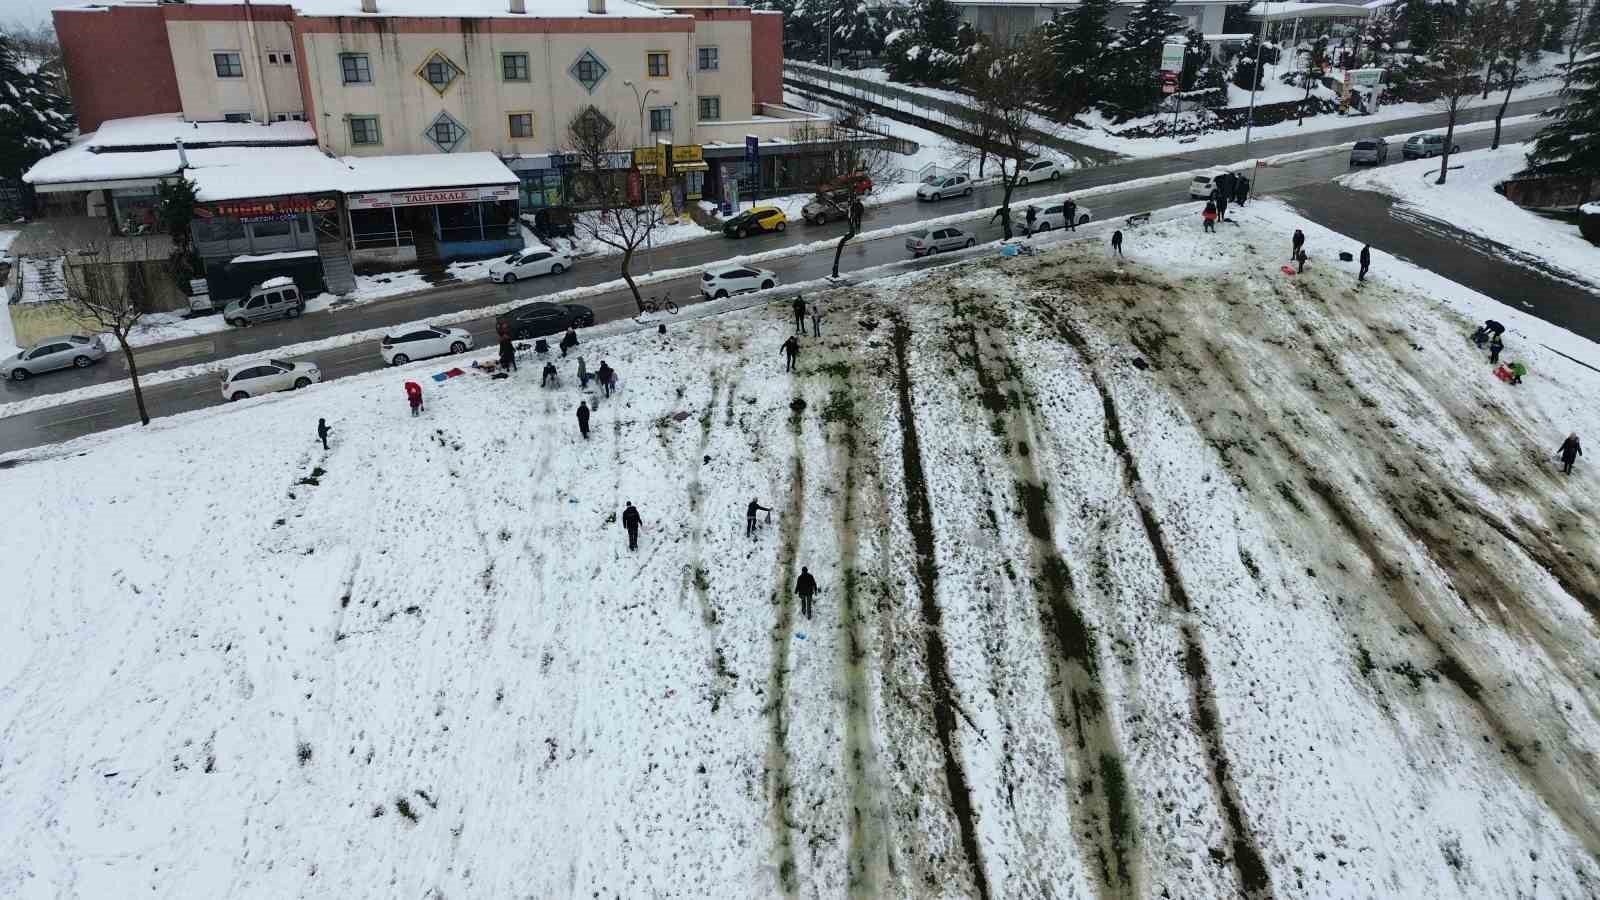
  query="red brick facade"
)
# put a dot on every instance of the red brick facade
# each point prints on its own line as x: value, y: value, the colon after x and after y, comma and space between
x: 108, y: 81
x: 766, y: 57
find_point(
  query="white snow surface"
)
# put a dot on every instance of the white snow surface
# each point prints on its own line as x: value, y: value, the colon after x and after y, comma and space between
x: 1311, y: 543
x: 1467, y: 200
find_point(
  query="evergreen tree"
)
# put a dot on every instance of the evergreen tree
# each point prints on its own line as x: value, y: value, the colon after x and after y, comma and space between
x: 1421, y: 23
x: 1570, y: 144
x: 34, y: 121
x: 939, y: 24
x: 1078, y: 43
x: 1139, y: 51
x: 1557, y: 21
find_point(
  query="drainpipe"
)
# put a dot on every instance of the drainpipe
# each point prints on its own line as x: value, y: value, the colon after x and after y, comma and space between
x: 261, y: 71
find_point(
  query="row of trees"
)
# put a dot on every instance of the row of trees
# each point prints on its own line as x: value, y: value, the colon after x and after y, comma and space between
x: 35, y: 120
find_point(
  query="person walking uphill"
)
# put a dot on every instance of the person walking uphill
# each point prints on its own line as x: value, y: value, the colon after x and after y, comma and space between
x: 1495, y: 346
x: 791, y: 349
x: 1299, y: 241
x: 816, y: 319
x: 323, y: 431
x: 583, y: 418
x: 630, y: 521
x: 750, y: 516
x: 799, y: 314
x: 1569, y: 452
x: 806, y: 587
x: 607, y: 376
x: 1366, y: 262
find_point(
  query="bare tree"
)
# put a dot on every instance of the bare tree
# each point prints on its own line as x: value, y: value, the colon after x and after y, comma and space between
x: 1518, y: 32
x: 620, y: 221
x: 1316, y: 59
x: 1003, y: 85
x: 852, y: 155
x: 1453, y: 73
x: 107, y: 295
x: 1581, y: 27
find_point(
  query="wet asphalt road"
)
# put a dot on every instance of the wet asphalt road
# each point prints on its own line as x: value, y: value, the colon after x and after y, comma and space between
x: 84, y: 417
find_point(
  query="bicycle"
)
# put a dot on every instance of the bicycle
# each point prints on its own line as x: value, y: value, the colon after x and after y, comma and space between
x: 657, y: 304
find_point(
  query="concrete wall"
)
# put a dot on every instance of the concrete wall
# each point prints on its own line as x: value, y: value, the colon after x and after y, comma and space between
x: 766, y: 53
x: 481, y: 99
x: 196, y: 32
x: 117, y: 62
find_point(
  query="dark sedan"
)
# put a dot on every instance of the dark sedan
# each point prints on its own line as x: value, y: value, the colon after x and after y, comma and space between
x: 541, y: 319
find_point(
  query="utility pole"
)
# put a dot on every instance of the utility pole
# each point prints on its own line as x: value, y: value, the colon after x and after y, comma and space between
x: 1255, y: 73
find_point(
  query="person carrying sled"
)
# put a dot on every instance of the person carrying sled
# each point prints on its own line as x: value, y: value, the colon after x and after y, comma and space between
x: 750, y: 516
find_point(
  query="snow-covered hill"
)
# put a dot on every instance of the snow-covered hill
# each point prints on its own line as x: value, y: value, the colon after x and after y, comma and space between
x: 1175, y: 577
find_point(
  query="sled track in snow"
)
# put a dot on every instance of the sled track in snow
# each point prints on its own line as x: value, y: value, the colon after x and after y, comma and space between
x: 1254, y: 877
x: 1104, y: 825
x: 779, y: 787
x: 919, y: 517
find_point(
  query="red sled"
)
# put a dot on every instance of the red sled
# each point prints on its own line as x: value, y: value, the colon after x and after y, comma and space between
x: 1288, y: 270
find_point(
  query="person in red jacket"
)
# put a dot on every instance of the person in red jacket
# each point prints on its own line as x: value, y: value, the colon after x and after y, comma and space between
x: 414, y: 397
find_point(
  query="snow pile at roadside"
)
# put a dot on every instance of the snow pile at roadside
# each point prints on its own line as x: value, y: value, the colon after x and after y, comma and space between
x: 8, y: 338
x: 1467, y: 200
x: 1167, y: 576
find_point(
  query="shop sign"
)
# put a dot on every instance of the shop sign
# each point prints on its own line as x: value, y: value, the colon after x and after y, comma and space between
x: 266, y: 210
x: 386, y: 199
x: 648, y: 157
x: 1172, y: 57
x: 619, y: 160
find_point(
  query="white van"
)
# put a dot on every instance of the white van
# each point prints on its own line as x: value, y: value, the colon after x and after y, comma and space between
x: 271, y: 299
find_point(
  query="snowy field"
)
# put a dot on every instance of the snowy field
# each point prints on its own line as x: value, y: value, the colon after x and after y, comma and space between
x: 1467, y: 200
x: 1169, y: 577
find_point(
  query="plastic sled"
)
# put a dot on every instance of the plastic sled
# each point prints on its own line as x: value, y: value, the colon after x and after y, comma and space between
x: 1288, y: 270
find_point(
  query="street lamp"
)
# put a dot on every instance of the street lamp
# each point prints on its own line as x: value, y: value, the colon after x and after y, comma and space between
x: 643, y: 99
x: 1255, y: 74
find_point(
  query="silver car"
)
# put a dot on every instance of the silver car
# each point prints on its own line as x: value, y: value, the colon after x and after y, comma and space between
x: 74, y: 350
x: 1369, y: 151
x: 937, y: 240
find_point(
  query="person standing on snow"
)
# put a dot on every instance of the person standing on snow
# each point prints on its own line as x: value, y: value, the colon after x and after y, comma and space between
x: 1299, y: 242
x: 799, y: 314
x: 1366, y: 262
x: 1300, y: 261
x: 1032, y: 217
x: 323, y: 431
x: 550, y: 376
x: 583, y: 419
x: 806, y: 587
x: 568, y: 341
x: 414, y: 397
x: 816, y: 319
x: 583, y: 373
x: 1495, y: 346
x: 508, y: 355
x: 1116, y: 241
x: 791, y: 349
x: 1208, y: 216
x: 1241, y: 190
x: 1072, y: 215
x: 607, y: 375
x: 1569, y: 452
x: 750, y: 516
x: 630, y: 521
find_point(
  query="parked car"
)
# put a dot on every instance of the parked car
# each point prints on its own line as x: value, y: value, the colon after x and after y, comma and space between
x: 1370, y: 151
x: 432, y: 340
x: 827, y: 206
x: 1055, y: 216
x: 275, y: 298
x: 1036, y: 170
x: 67, y: 351
x: 938, y: 187
x: 540, y: 319
x: 938, y: 240
x: 754, y: 220
x: 1203, y: 184
x: 724, y: 281
x: 528, y: 263
x: 857, y: 183
x: 256, y: 379
x: 1422, y: 146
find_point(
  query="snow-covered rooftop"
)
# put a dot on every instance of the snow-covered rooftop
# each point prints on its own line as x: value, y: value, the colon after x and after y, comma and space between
x: 1276, y: 12
x: 166, y: 128
x: 311, y: 171
x: 432, y: 9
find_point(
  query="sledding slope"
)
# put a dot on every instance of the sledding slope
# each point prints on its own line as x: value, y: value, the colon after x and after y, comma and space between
x: 1179, y: 577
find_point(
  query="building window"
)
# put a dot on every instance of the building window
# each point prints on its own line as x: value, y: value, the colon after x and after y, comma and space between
x: 588, y: 70
x: 272, y: 58
x: 593, y: 128
x: 655, y: 64
x: 445, y: 132
x: 710, y: 109
x: 229, y: 64
x: 364, y: 130
x: 238, y: 117
x: 356, y: 67
x: 285, y: 58
x: 514, y: 66
x: 439, y: 72
x: 521, y: 125
x: 289, y: 117
x: 708, y: 59
x: 661, y: 119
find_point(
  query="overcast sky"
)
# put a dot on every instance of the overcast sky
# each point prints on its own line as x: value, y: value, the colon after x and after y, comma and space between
x: 27, y: 12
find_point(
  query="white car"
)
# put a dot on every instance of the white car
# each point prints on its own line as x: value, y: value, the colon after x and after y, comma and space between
x: 1202, y: 185
x: 937, y: 240
x: 938, y: 187
x: 255, y: 379
x: 423, y: 343
x: 1037, y: 170
x: 529, y: 263
x: 725, y: 281
x: 1055, y: 216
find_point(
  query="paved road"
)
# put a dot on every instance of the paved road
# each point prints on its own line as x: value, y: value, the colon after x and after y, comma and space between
x: 387, y: 313
x: 1490, y: 268
x: 85, y: 417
